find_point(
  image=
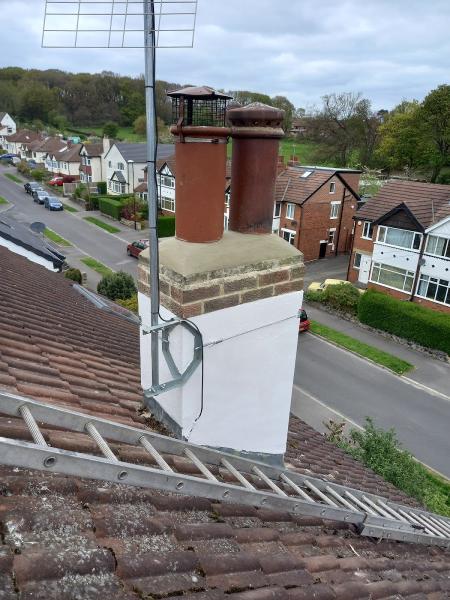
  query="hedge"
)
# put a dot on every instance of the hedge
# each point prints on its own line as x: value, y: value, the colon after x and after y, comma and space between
x: 166, y: 226
x: 424, y: 326
x: 112, y: 205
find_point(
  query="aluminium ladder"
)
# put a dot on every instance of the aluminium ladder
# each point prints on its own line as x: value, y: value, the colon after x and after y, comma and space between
x: 221, y: 476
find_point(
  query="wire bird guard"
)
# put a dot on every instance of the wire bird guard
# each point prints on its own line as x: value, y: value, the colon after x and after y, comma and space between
x: 118, y: 23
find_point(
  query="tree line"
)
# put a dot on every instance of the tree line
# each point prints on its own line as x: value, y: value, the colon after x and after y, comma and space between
x: 413, y: 137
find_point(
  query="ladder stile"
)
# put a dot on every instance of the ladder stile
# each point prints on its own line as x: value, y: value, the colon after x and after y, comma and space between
x: 156, y: 455
x: 320, y: 494
x: 269, y: 482
x: 236, y: 474
x: 198, y: 463
x: 296, y: 488
x: 95, y: 435
x: 33, y: 427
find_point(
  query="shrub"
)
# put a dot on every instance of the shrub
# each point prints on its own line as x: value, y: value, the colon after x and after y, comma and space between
x: 74, y: 275
x: 424, y: 326
x: 140, y: 125
x: 110, y: 130
x: 117, y: 286
x: 342, y: 296
x: 166, y: 226
x: 38, y: 174
x: 23, y: 168
x: 102, y: 187
x: 314, y: 296
x: 130, y: 303
x: 110, y: 206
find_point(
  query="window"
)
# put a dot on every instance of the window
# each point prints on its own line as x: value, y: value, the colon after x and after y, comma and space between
x: 399, y: 237
x: 288, y: 235
x: 227, y: 199
x: 120, y: 167
x: 277, y: 209
x: 167, y: 181
x: 89, y: 178
x: 434, y: 289
x: 82, y: 177
x: 367, y: 232
x: 331, y: 234
x: 117, y: 187
x: 306, y: 174
x: 392, y: 277
x: 168, y: 203
x: 143, y: 196
x: 332, y: 187
x: 110, y: 164
x: 334, y: 211
x: 225, y: 222
x: 438, y: 246
x: 357, y: 260
x: 290, y: 211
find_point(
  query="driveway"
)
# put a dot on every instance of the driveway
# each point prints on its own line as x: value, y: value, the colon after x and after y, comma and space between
x: 327, y: 268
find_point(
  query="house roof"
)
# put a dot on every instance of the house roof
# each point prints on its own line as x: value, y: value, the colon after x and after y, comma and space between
x: 138, y: 152
x: 24, y: 135
x: 95, y: 149
x: 2, y: 116
x: 428, y: 202
x: 290, y: 186
x: 51, y: 145
x: 65, y: 538
x: 119, y: 176
x: 71, y: 154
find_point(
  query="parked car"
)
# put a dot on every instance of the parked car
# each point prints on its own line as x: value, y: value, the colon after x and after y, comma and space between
x: 31, y: 186
x: 40, y: 196
x: 135, y: 248
x: 53, y: 203
x: 305, y: 323
x: 8, y: 157
x: 59, y: 180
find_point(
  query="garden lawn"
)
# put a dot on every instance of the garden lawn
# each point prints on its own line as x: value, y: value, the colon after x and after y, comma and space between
x: 70, y: 208
x: 97, y: 266
x: 3, y: 200
x: 106, y: 226
x: 391, y: 362
x: 13, y: 178
x: 52, y: 235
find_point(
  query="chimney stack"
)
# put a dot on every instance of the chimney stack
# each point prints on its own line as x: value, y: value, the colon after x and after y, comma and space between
x: 200, y: 156
x: 242, y: 291
x: 256, y: 131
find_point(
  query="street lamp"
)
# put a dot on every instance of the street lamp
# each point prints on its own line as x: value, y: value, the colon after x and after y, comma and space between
x: 131, y: 162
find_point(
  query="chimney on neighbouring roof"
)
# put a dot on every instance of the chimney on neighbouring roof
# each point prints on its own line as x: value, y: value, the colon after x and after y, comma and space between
x: 256, y: 131
x: 242, y: 292
x: 200, y: 155
x: 106, y: 145
x: 293, y: 161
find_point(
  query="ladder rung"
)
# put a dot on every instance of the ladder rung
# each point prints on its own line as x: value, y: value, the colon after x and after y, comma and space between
x: 156, y: 455
x: 236, y: 473
x: 106, y: 450
x: 361, y: 504
x: 411, y: 518
x: 391, y: 511
x: 434, y: 530
x: 443, y: 524
x: 198, y: 463
x: 379, y: 509
x: 341, y: 499
x: 437, y: 526
x: 296, y: 488
x: 269, y: 482
x: 320, y: 494
x: 33, y: 427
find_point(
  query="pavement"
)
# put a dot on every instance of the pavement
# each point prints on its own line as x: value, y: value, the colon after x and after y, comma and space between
x: 86, y: 239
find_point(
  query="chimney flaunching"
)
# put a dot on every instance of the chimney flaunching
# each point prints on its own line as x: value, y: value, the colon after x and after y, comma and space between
x: 200, y: 154
x: 242, y: 291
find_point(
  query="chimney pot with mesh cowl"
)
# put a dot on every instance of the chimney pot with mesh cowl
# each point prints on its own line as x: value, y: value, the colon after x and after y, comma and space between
x: 256, y: 130
x: 200, y: 154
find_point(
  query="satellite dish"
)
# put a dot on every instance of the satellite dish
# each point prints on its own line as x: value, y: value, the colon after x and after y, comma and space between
x: 38, y: 227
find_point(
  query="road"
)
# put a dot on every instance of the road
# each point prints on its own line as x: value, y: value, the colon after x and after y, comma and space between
x: 355, y: 388
x: 87, y: 239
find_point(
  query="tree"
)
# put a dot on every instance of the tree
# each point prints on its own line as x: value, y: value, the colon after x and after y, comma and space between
x: 110, y: 130
x: 245, y: 97
x: 140, y: 125
x: 117, y: 286
x: 289, y: 110
x: 435, y: 112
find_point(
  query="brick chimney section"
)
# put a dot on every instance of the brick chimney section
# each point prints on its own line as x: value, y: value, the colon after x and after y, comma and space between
x: 256, y: 131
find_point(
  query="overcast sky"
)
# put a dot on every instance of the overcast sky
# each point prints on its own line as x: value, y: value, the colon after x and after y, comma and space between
x: 386, y: 49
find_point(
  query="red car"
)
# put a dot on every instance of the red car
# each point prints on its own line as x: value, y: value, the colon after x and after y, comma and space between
x: 304, y: 321
x: 135, y: 248
x: 60, y: 180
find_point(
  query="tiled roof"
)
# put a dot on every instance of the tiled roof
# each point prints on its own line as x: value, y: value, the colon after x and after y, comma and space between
x: 64, y: 538
x: 50, y: 145
x: 72, y: 154
x: 292, y: 187
x: 425, y: 201
x: 2, y: 116
x: 24, y: 135
x: 94, y: 149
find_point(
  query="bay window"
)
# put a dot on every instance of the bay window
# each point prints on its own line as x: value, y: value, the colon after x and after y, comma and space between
x: 437, y: 290
x: 438, y: 246
x: 399, y: 237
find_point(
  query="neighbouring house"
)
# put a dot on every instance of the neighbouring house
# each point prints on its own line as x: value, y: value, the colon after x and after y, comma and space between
x: 7, y: 126
x: 401, y: 243
x: 65, y: 161
x: 17, y: 143
x: 67, y: 537
x: 38, y: 150
x: 124, y: 165
x: 92, y: 163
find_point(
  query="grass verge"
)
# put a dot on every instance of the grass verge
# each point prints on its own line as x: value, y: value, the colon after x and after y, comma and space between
x: 70, y: 208
x: 106, y: 226
x: 381, y: 451
x: 97, y: 266
x: 13, y: 178
x: 3, y: 200
x: 55, y: 237
x: 397, y: 365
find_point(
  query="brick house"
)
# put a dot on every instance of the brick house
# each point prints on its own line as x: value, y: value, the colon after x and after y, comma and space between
x: 314, y: 208
x: 401, y: 243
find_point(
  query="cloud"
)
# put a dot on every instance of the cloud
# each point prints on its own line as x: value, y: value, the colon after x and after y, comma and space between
x: 299, y: 48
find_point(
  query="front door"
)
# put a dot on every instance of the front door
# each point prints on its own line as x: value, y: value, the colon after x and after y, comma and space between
x: 364, y: 269
x: 323, y: 249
